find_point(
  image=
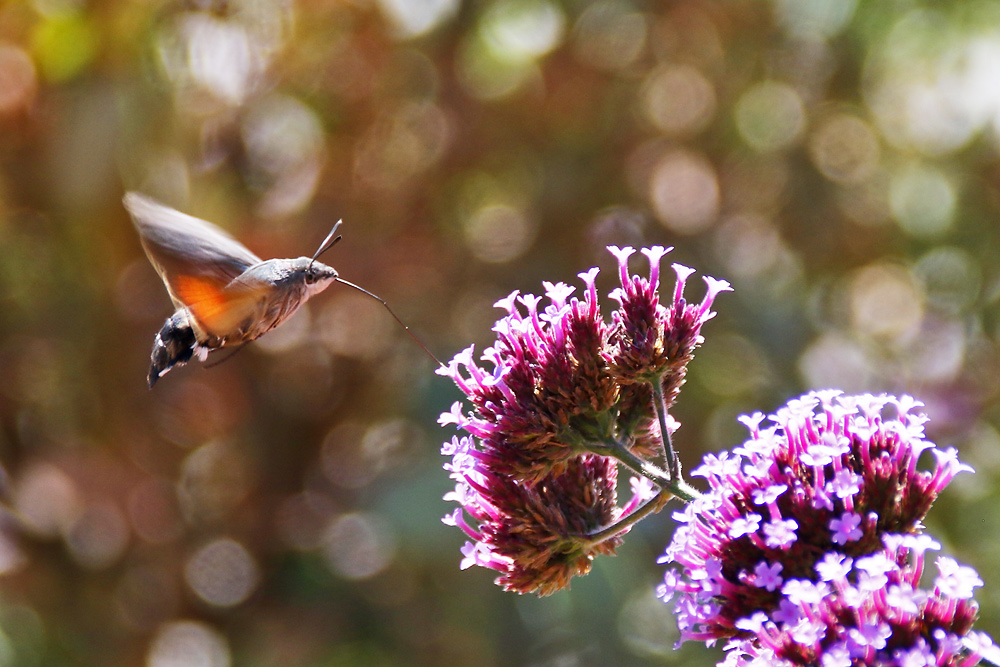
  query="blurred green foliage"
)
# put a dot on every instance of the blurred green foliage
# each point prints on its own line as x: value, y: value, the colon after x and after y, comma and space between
x: 835, y: 160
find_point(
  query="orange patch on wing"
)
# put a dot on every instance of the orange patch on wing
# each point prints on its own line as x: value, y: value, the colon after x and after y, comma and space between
x: 203, y: 297
x: 216, y: 308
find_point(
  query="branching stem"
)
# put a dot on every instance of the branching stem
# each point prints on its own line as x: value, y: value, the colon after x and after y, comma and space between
x: 650, y: 506
x: 670, y: 481
x: 674, y: 485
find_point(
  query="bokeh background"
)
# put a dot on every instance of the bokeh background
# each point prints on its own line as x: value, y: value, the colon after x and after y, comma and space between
x: 838, y: 161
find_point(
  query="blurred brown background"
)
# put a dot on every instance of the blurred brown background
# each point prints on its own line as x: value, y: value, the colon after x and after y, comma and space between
x: 836, y: 160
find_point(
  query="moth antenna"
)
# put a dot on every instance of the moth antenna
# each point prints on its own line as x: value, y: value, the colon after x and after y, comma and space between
x: 396, y: 317
x: 327, y: 243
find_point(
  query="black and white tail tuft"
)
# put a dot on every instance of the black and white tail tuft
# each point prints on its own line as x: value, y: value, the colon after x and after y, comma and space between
x: 175, y: 344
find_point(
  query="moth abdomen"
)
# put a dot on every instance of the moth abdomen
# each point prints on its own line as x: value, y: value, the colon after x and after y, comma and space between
x: 175, y: 344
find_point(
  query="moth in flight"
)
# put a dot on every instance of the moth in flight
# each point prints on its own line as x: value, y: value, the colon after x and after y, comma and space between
x: 224, y: 295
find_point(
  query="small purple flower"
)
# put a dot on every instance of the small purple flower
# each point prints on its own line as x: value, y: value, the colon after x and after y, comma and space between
x: 844, y: 483
x: 744, y: 525
x: 838, y: 478
x: 833, y: 566
x: 956, y: 581
x: 768, y: 494
x: 845, y: 528
x: 768, y: 576
x: 780, y: 534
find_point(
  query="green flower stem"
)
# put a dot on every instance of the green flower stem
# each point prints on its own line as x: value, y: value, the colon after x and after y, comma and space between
x: 630, y: 460
x: 669, y: 455
x: 641, y: 466
x: 652, y: 505
x: 681, y: 490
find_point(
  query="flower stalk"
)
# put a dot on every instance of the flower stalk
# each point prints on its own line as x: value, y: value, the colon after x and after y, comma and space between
x: 651, y: 506
x: 669, y: 455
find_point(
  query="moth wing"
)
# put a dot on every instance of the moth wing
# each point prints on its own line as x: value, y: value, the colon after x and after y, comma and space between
x: 180, y: 246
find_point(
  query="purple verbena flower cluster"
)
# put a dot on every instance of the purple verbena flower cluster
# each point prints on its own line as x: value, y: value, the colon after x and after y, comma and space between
x: 561, y: 389
x: 808, y: 547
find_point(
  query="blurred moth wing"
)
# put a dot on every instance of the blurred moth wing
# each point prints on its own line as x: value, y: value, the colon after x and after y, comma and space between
x: 198, y: 263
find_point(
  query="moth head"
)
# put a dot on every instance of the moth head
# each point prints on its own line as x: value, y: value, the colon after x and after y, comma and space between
x: 317, y: 276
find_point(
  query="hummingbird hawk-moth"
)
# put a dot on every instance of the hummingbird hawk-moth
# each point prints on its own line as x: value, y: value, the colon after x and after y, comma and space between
x: 224, y: 295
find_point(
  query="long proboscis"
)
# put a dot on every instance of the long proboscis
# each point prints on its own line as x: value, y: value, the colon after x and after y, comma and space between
x: 395, y: 317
